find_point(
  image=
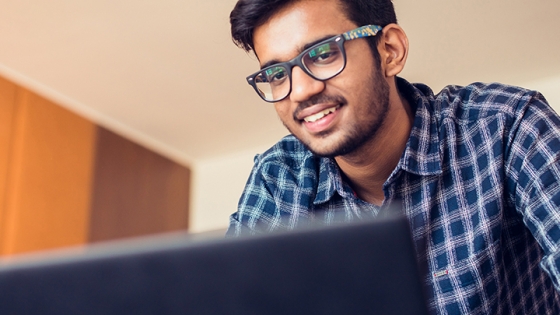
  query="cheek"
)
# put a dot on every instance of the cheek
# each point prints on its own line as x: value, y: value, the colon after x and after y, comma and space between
x: 359, y: 65
x: 282, y: 110
x: 354, y: 80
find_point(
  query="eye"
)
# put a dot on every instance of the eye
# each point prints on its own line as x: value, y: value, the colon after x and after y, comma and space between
x: 324, y: 54
x: 276, y: 75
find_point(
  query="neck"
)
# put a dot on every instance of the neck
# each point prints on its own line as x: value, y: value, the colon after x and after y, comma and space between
x: 369, y: 167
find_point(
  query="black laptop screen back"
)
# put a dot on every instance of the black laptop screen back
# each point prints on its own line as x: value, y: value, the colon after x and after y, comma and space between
x: 358, y: 268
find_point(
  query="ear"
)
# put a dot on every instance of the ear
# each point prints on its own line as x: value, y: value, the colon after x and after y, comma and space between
x: 393, y: 49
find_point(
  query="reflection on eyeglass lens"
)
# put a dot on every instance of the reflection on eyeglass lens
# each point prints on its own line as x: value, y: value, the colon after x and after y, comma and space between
x: 276, y: 75
x: 323, y: 54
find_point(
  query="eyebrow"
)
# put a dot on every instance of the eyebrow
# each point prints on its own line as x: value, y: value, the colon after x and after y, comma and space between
x: 306, y: 46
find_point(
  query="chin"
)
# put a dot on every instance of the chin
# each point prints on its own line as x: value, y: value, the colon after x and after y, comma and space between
x: 331, y: 153
x: 342, y: 145
x: 330, y: 149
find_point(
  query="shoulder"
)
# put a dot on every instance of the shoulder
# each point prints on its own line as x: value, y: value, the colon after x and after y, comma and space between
x: 288, y: 151
x: 288, y: 160
x: 477, y: 101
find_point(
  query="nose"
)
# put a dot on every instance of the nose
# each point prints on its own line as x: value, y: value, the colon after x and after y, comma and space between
x: 304, y: 86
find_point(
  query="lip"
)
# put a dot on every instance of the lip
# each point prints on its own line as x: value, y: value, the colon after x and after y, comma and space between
x: 323, y: 123
x: 312, y: 110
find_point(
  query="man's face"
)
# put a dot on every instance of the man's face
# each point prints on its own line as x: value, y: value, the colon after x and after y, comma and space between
x: 332, y: 117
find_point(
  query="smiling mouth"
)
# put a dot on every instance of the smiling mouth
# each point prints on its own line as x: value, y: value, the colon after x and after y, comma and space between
x: 321, y: 114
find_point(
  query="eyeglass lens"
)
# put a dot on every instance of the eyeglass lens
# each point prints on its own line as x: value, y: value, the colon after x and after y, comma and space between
x: 321, y: 62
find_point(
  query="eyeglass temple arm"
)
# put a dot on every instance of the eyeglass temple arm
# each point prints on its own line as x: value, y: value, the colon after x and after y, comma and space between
x: 364, y: 31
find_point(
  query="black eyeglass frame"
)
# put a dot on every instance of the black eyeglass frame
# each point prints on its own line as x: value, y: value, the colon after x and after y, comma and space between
x: 360, y: 32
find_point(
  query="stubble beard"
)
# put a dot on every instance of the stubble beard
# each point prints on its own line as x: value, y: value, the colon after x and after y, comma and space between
x: 357, y: 136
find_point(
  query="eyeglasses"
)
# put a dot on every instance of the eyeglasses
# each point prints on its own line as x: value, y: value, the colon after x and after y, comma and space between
x: 321, y: 61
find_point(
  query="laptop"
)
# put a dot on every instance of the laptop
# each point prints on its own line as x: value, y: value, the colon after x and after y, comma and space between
x: 354, y: 268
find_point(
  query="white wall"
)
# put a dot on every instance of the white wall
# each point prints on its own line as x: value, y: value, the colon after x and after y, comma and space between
x: 217, y: 185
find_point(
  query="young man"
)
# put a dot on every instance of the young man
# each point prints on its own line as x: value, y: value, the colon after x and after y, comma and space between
x: 474, y: 168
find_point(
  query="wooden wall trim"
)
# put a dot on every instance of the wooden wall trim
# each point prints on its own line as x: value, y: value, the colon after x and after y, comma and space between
x: 7, y: 111
x: 65, y: 181
x: 136, y: 191
x: 49, y: 175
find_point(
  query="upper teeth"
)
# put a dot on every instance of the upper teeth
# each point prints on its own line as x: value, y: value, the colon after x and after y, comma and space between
x: 320, y: 114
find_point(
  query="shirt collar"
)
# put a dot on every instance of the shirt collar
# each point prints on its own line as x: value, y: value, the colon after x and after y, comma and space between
x: 421, y: 156
x: 330, y: 181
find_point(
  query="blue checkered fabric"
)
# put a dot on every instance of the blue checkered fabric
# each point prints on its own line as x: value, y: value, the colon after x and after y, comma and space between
x: 478, y: 180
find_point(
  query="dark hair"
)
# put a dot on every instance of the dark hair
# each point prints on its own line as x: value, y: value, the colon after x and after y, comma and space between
x: 249, y: 14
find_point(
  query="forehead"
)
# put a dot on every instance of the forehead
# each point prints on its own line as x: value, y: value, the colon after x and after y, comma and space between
x: 284, y: 35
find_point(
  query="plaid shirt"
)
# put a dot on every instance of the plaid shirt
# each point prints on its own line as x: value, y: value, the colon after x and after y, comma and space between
x: 478, y: 180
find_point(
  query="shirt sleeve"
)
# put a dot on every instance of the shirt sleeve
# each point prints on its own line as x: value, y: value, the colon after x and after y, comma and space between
x: 256, y: 205
x: 533, y: 175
